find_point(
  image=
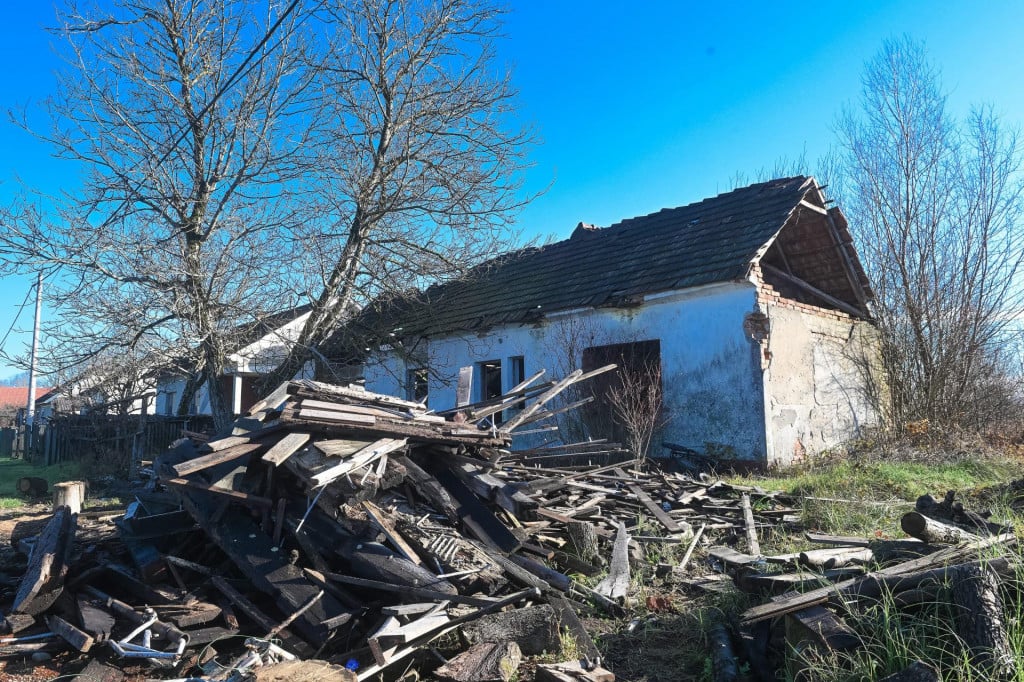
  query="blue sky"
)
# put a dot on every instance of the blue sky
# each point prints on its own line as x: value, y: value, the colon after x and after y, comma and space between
x: 639, y: 105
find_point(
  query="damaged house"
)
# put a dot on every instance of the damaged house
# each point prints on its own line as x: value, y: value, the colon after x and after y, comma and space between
x: 750, y: 309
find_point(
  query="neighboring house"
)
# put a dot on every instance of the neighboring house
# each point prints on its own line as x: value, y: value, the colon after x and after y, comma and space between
x: 13, y: 401
x: 752, y: 306
x: 260, y: 348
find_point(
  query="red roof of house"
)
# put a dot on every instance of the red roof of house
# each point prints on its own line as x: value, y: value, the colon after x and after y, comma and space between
x: 17, y: 396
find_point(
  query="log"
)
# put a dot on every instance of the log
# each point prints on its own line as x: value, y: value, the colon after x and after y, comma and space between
x: 918, y: 671
x: 723, y: 658
x: 534, y: 629
x: 826, y: 559
x: 32, y: 486
x: 583, y: 538
x: 69, y: 494
x: 43, y: 580
x: 933, y: 532
x: 980, y: 620
x: 484, y: 662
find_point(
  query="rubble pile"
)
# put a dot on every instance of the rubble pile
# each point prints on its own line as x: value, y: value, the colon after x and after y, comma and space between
x: 338, y: 534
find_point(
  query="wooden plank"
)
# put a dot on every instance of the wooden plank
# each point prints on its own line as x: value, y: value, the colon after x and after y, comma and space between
x: 730, y: 557
x: 256, y: 556
x: 616, y: 584
x: 341, y: 447
x: 753, y: 546
x: 225, y: 443
x: 405, y: 590
x: 821, y: 595
x: 370, y: 453
x: 285, y: 448
x: 477, y: 518
x: 340, y: 417
x: 386, y: 524
x: 214, y: 458
x: 235, y: 495
x: 664, y: 519
x: 81, y: 641
x: 347, y: 409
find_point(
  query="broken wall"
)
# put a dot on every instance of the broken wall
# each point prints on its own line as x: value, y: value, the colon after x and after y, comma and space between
x: 818, y: 381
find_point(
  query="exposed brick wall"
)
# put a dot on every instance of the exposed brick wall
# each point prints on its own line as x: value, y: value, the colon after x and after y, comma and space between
x: 769, y: 295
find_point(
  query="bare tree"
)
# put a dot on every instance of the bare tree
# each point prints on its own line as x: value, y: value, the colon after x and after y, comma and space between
x: 635, y: 397
x: 189, y: 121
x: 937, y: 203
x: 419, y: 170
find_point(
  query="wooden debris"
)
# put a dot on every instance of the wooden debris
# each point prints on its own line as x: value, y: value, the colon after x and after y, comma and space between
x: 534, y: 629
x: 616, y: 585
x: 483, y: 662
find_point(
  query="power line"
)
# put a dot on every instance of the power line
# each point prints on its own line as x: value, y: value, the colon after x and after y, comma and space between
x: 28, y: 295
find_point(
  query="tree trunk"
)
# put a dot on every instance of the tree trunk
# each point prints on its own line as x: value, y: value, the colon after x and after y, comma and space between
x: 980, y: 620
x: 70, y: 494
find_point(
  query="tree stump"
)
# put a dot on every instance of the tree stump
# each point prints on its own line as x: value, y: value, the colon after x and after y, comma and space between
x: 980, y: 620
x: 69, y: 494
x: 32, y: 486
x: 583, y: 537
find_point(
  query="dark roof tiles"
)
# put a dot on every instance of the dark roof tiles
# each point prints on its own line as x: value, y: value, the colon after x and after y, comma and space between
x: 710, y: 241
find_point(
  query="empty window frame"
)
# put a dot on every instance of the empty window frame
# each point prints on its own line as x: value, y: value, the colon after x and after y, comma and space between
x: 489, y: 372
x: 416, y: 384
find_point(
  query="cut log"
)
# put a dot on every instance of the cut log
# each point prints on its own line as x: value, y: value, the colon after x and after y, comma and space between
x: 933, y: 532
x: 484, y: 662
x: 918, y: 671
x: 980, y: 620
x: 840, y: 557
x: 583, y: 539
x: 32, y: 486
x: 534, y: 629
x: 69, y: 494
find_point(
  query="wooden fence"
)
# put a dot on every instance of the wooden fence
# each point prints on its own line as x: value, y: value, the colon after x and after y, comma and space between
x: 106, y: 440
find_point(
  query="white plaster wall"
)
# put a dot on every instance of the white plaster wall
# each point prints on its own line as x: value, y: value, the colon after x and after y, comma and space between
x: 711, y: 374
x: 814, y: 383
x: 267, y: 353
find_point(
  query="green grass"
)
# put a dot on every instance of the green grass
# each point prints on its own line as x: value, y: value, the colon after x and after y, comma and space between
x: 13, y: 469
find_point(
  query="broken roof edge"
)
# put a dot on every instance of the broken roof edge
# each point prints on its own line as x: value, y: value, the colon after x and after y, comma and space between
x: 851, y: 265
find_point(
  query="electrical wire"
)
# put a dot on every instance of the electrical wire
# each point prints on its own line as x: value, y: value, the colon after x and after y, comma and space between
x: 21, y: 308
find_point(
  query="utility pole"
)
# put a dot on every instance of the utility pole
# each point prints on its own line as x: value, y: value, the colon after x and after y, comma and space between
x: 30, y: 409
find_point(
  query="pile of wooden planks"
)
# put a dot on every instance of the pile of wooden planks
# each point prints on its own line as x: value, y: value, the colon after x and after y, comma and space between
x: 331, y: 524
